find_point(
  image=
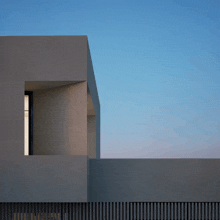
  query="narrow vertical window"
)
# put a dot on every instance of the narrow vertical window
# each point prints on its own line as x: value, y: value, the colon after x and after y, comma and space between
x: 28, y: 123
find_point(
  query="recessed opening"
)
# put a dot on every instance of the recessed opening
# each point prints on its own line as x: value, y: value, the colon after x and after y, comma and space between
x: 59, y: 121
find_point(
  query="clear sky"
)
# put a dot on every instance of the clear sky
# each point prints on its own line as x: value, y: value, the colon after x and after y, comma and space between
x: 156, y: 64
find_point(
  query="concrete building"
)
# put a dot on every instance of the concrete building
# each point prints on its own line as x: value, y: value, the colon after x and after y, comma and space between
x: 50, y: 146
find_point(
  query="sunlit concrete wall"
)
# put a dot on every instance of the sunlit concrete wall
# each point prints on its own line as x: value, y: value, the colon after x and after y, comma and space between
x: 46, y: 177
x: 60, y: 120
x: 154, y: 180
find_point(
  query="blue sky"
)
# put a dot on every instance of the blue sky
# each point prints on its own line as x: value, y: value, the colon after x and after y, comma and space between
x: 157, y: 69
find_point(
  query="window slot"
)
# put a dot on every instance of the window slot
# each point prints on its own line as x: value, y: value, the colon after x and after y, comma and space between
x: 28, y: 123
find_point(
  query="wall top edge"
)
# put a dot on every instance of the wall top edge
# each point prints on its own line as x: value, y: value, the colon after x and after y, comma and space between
x: 177, y: 159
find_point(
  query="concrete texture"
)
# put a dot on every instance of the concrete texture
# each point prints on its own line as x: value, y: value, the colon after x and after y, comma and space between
x: 91, y: 127
x: 95, y: 99
x: 54, y: 178
x: 43, y: 58
x: 91, y: 136
x: 154, y: 180
x: 55, y: 69
x: 60, y: 120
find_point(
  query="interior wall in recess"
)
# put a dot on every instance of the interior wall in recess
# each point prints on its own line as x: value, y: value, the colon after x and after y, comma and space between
x: 60, y: 120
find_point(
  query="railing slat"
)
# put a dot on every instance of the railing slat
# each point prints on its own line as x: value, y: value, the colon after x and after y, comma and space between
x: 110, y: 211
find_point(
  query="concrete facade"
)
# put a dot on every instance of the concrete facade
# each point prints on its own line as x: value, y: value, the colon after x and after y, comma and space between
x: 66, y: 165
x: 65, y: 112
x: 154, y: 180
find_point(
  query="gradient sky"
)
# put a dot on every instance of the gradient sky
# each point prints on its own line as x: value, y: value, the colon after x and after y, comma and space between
x: 156, y: 64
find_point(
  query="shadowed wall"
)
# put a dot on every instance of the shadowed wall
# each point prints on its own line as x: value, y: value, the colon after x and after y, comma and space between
x: 154, y: 180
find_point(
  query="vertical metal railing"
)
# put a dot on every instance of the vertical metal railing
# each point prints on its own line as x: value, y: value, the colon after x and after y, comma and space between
x: 111, y: 211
